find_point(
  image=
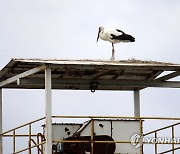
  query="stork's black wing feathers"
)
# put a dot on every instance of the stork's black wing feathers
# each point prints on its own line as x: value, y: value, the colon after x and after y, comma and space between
x: 113, y: 36
x: 124, y: 37
x: 120, y: 31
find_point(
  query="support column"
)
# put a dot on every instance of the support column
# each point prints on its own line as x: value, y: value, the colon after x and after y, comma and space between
x: 48, y: 106
x: 1, y: 142
x: 136, y: 103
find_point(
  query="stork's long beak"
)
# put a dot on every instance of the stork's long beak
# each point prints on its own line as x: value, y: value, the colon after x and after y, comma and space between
x: 98, y: 35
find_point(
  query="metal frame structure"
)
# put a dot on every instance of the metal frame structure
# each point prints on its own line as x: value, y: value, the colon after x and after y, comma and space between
x: 132, y: 75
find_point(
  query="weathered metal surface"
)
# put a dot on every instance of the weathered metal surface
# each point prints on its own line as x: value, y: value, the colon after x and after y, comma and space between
x: 65, y: 129
x: 21, y: 75
x: 80, y: 74
x: 115, y: 130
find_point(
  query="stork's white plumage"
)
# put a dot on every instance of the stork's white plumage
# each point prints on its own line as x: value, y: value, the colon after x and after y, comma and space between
x: 114, y: 36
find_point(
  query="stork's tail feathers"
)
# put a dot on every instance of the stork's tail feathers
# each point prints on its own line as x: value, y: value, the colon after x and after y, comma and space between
x: 131, y: 38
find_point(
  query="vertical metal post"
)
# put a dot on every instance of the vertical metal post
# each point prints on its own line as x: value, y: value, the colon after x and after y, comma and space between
x: 1, y: 144
x: 92, y: 136
x: 29, y: 139
x: 156, y: 143
x: 136, y: 103
x: 48, y: 106
x: 137, y: 114
x: 173, y: 139
x: 141, y: 134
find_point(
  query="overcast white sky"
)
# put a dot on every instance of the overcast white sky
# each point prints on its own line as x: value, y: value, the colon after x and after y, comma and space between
x: 67, y: 29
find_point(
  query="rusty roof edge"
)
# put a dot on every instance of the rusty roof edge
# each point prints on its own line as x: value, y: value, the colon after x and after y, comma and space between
x: 129, y: 62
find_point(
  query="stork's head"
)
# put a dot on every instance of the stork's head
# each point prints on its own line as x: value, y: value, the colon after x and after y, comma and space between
x: 101, y: 29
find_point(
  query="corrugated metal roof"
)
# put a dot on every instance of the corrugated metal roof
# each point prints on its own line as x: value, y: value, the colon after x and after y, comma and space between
x: 82, y: 74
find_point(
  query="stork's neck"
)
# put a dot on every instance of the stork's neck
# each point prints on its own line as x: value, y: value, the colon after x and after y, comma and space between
x: 103, y: 35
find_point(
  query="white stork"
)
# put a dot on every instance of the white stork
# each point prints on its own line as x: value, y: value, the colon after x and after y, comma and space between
x: 114, y: 36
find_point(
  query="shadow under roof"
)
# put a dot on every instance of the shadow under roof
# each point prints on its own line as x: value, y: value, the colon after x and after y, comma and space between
x: 85, y: 74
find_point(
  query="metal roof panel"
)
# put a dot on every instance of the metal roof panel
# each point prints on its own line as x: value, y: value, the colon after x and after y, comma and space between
x: 82, y: 73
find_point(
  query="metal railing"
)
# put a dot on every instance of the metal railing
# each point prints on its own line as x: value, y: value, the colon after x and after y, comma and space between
x: 37, y: 140
x: 40, y: 140
x: 155, y: 132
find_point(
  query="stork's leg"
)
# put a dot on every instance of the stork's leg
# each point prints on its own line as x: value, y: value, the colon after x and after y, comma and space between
x: 113, y: 52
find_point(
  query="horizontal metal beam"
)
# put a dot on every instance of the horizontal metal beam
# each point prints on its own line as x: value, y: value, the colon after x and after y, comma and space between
x: 104, y: 83
x: 113, y: 66
x: 22, y: 75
